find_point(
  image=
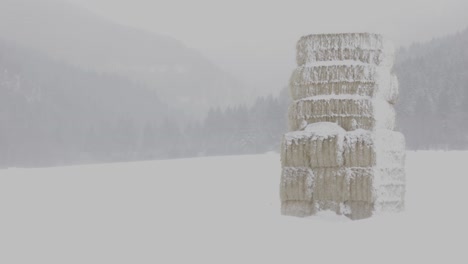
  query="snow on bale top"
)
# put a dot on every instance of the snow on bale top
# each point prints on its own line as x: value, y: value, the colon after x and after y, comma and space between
x: 324, y: 128
x: 316, y: 130
x: 359, y: 47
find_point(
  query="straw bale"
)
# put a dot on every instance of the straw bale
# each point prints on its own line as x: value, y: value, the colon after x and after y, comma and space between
x: 319, y: 145
x: 296, y: 184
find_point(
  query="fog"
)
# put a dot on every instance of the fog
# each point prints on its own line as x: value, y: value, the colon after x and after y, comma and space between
x: 90, y: 81
x: 137, y: 131
x: 255, y: 39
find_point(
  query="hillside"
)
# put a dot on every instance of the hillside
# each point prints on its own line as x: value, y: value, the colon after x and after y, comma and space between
x: 219, y: 210
x: 52, y: 113
x: 87, y: 90
x: 181, y: 76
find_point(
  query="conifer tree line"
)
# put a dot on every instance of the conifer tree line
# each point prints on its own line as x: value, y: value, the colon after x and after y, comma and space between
x: 433, y: 105
x: 55, y: 114
x: 236, y: 130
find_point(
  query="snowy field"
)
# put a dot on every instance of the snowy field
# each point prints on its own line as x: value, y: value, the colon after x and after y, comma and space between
x: 220, y: 210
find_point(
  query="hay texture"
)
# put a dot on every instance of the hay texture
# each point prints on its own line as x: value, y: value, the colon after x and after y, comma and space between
x: 306, y: 82
x: 341, y: 153
x: 342, y: 190
x: 324, y: 145
x: 318, y: 145
x: 357, y: 47
x: 349, y: 112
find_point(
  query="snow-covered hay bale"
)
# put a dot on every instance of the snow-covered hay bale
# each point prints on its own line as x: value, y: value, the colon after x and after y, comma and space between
x: 359, y: 149
x: 342, y: 153
x: 362, y: 47
x: 389, y: 176
x: 389, y: 189
x: 309, y: 75
x: 296, y: 184
x: 346, y: 122
x: 314, y: 148
x: 349, y: 112
x: 332, y: 105
x: 384, y: 148
x: 357, y: 88
x: 365, y: 56
x: 339, y: 185
x: 367, y: 41
x: 319, y: 145
x: 355, y: 192
x: 390, y: 150
x: 385, y: 86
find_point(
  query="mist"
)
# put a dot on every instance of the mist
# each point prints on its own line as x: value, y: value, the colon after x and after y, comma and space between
x: 90, y: 81
x: 161, y: 131
x: 255, y: 40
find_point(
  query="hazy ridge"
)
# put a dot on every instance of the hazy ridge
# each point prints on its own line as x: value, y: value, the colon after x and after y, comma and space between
x: 88, y: 90
x: 63, y: 31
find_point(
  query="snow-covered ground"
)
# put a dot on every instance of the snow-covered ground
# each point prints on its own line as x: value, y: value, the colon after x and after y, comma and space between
x: 220, y: 210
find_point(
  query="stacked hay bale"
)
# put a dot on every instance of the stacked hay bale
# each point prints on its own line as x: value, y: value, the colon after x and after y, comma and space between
x: 342, y: 153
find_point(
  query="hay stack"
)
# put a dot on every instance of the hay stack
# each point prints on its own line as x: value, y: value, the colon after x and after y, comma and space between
x: 342, y: 153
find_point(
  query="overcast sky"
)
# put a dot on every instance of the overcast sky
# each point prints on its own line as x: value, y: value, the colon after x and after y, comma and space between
x: 255, y: 39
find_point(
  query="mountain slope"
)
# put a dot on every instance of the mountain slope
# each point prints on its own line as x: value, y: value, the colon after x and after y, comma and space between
x: 66, y: 32
x: 52, y: 113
